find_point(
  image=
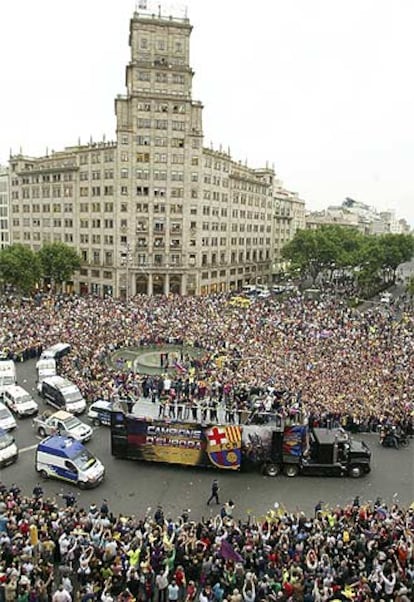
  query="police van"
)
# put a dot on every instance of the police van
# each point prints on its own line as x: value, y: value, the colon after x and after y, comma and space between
x: 100, y: 412
x: 19, y: 401
x: 7, y: 373
x: 62, y: 394
x: 55, y: 352
x: 8, y: 448
x: 66, y: 459
x: 45, y: 368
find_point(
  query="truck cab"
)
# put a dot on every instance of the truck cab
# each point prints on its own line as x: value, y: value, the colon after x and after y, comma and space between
x: 299, y: 449
x: 332, y: 452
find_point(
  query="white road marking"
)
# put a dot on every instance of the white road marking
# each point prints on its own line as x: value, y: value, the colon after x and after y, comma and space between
x: 29, y: 448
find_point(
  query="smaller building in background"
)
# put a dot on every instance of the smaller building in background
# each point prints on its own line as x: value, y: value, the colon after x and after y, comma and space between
x: 363, y: 217
x: 289, y: 217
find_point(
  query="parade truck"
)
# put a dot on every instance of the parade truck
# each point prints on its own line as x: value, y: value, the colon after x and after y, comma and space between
x: 274, y: 445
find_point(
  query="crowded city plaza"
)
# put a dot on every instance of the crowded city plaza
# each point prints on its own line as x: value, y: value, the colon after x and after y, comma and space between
x: 346, y: 368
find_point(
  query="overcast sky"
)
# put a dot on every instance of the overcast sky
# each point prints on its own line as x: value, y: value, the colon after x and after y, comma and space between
x: 323, y: 89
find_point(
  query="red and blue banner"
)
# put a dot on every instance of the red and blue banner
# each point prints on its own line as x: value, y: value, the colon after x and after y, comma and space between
x: 179, y: 443
x: 224, y: 446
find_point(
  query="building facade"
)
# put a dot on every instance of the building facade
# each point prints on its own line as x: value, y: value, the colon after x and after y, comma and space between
x: 4, y: 207
x: 154, y: 211
x: 289, y: 217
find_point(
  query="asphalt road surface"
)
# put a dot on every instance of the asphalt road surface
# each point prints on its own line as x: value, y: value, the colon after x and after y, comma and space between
x: 132, y: 487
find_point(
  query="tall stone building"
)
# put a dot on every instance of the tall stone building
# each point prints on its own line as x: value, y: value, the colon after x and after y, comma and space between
x: 155, y: 211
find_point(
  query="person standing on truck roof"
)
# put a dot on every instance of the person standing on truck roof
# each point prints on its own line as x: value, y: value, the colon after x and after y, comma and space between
x: 214, y: 492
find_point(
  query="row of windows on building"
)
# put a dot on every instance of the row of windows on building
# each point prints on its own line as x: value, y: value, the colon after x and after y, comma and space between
x: 157, y: 207
x: 162, y: 124
x: 143, y: 191
x: 124, y: 190
x: 144, y: 174
x: 156, y: 141
x: 164, y: 44
x: 161, y: 107
x: 160, y: 77
x: 95, y: 158
x: 158, y: 226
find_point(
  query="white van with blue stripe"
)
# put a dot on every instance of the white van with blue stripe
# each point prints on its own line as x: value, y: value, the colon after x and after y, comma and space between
x: 66, y: 459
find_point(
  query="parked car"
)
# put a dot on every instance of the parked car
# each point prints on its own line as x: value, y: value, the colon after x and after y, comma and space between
x: 386, y: 298
x: 19, y: 401
x: 62, y: 423
x: 278, y: 289
x: 8, y: 449
x: 7, y: 420
x: 240, y: 302
x: 248, y: 289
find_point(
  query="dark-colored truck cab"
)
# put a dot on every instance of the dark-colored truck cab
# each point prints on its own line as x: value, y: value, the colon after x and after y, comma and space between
x: 332, y: 452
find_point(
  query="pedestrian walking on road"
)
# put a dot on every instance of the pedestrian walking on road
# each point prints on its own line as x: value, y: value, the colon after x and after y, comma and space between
x: 214, y: 492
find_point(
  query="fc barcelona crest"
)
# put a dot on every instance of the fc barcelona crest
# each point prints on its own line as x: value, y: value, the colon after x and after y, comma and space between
x: 224, y: 446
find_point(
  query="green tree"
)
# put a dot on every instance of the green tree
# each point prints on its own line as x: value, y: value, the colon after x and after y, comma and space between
x: 20, y: 267
x: 323, y: 249
x: 377, y: 257
x: 59, y: 262
x: 395, y: 249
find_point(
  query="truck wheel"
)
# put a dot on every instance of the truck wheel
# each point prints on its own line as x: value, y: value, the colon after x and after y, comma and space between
x: 96, y: 422
x: 82, y: 485
x: 355, y: 471
x: 44, y: 474
x: 271, y: 470
x: 291, y: 470
x: 42, y: 432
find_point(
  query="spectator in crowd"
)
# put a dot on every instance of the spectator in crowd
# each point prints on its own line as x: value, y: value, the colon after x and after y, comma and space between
x: 362, y: 551
x: 266, y: 356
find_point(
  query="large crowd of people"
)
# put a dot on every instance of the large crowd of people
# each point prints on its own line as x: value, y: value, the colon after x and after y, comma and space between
x: 348, y: 367
x: 362, y: 552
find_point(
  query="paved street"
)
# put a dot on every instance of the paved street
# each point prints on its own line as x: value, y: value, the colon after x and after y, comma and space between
x: 131, y: 487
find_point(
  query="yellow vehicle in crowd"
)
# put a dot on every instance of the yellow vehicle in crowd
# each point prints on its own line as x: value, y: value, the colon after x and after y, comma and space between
x: 240, y: 302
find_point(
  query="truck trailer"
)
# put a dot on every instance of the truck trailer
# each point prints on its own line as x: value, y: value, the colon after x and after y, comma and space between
x: 273, y: 445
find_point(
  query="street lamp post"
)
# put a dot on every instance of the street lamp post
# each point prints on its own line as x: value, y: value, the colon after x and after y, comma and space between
x: 126, y: 259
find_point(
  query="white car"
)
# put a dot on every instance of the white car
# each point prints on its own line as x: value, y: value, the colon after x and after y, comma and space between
x: 386, y: 298
x: 7, y: 420
x: 19, y: 401
x: 8, y: 449
x: 64, y: 424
